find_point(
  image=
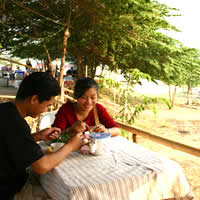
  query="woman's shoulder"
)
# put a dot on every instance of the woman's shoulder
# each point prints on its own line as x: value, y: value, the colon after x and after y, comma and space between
x: 100, y: 107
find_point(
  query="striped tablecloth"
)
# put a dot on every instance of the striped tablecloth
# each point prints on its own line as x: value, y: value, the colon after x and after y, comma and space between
x: 138, y: 174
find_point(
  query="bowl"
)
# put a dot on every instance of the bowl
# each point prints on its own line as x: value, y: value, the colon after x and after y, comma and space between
x: 56, y: 145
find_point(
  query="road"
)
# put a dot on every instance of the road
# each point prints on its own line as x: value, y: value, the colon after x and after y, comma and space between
x: 8, y: 91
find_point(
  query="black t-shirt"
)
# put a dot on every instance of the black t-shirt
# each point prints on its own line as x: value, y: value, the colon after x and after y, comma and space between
x: 18, y: 150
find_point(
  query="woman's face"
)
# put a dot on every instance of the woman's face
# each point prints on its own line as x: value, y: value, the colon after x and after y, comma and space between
x: 88, y: 100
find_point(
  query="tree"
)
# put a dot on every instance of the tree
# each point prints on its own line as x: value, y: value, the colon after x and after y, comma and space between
x: 191, y: 63
x: 121, y: 34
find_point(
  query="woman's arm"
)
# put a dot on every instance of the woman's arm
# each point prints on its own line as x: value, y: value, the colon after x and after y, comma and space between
x: 115, y: 131
x: 108, y: 125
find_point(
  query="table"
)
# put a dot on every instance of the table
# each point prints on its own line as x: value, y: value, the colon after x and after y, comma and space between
x: 138, y: 174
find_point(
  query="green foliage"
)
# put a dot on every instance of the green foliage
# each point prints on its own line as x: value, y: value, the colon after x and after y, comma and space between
x: 131, y: 106
x: 167, y: 102
x: 125, y: 134
x: 64, y: 137
x: 120, y: 34
x: 154, y: 110
x: 129, y: 116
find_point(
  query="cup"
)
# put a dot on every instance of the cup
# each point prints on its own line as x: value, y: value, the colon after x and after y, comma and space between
x: 98, y: 145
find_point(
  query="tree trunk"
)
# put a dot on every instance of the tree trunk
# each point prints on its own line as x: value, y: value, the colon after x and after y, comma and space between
x: 66, y: 36
x: 49, y: 58
x: 78, y: 60
x: 188, y: 95
x: 101, y: 74
x: 43, y: 66
x: 94, y: 69
x: 170, y: 97
x: 3, y: 5
x: 174, y: 94
x: 91, y: 71
x: 80, y: 67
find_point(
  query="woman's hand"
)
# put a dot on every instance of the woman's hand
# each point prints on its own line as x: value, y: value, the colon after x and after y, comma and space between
x: 99, y: 129
x: 47, y: 134
x: 78, y: 127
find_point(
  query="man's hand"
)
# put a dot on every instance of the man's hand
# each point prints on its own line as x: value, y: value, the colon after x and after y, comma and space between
x: 47, y: 134
x: 76, y: 142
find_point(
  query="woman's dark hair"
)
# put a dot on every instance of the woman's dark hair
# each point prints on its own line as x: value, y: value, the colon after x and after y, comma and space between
x: 38, y: 83
x: 82, y: 85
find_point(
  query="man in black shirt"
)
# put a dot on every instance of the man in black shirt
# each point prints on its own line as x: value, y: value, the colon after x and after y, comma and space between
x: 18, y: 147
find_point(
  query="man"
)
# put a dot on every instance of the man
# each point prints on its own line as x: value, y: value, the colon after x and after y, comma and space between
x: 49, y: 72
x: 18, y: 148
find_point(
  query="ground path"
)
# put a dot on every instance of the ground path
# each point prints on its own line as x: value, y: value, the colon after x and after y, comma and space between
x: 8, y: 91
x: 182, y: 124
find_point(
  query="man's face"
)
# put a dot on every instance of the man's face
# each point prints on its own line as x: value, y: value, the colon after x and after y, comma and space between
x: 37, y: 108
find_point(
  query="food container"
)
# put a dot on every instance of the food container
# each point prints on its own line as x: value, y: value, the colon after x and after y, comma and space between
x: 56, y: 145
x: 99, y: 143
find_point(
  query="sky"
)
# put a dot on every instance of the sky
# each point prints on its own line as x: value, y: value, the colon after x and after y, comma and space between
x: 188, y: 23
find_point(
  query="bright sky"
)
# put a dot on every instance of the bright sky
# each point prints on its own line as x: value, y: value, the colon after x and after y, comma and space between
x: 188, y: 23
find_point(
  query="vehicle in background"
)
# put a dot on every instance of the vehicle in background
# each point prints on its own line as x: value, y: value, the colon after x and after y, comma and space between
x: 5, y: 74
x: 19, y: 74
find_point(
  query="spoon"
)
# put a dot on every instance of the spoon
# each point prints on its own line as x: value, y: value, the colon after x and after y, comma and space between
x: 89, y: 128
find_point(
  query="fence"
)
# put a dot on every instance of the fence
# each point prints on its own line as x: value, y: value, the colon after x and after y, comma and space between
x: 135, y: 131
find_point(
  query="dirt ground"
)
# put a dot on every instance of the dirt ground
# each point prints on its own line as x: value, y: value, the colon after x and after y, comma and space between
x: 182, y: 125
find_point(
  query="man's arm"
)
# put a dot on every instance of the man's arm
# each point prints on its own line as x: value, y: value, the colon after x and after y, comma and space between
x: 51, y: 160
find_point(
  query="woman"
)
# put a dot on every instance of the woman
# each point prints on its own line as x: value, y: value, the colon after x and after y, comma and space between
x: 80, y: 116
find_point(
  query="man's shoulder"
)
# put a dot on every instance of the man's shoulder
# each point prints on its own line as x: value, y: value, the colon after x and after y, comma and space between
x: 5, y: 106
x: 10, y: 114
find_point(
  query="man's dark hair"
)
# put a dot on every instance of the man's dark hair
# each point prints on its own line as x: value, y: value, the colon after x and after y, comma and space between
x: 69, y: 72
x: 38, y: 83
x: 82, y: 85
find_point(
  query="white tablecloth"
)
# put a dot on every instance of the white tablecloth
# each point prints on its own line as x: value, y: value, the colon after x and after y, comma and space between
x: 138, y: 174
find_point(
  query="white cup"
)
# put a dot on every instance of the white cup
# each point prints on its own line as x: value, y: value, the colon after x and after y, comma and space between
x: 98, y: 145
